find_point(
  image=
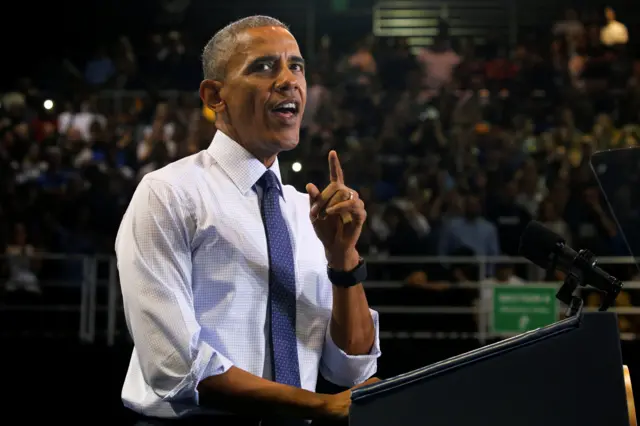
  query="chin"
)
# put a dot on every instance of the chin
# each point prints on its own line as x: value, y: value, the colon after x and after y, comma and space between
x: 289, y: 140
x: 288, y: 144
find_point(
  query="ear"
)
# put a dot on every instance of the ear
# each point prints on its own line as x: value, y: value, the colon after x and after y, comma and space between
x: 210, y: 95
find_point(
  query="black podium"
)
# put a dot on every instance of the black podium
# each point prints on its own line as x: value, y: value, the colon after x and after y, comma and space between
x: 567, y: 374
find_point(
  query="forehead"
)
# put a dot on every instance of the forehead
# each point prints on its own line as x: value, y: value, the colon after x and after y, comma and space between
x: 256, y: 42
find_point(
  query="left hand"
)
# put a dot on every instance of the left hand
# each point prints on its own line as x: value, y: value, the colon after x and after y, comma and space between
x: 328, y: 210
x: 337, y: 405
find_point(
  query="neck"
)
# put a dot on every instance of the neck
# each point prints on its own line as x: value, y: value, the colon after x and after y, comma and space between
x: 266, y: 158
x: 268, y: 162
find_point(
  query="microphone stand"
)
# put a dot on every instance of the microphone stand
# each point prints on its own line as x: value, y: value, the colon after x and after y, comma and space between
x: 571, y: 291
x: 571, y: 294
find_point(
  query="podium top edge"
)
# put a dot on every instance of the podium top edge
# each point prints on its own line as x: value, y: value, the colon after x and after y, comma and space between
x: 458, y: 361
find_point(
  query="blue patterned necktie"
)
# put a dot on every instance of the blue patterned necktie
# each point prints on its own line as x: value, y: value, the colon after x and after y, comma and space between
x: 282, y: 285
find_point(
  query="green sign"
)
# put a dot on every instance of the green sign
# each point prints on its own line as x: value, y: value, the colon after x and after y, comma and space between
x: 517, y: 309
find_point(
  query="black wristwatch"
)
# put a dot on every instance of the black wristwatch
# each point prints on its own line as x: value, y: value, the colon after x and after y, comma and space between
x: 346, y: 279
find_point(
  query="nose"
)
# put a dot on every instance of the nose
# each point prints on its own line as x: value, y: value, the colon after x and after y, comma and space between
x: 286, y: 80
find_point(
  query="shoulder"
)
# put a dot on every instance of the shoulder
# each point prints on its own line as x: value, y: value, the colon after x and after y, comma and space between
x: 180, y: 179
x: 181, y: 173
x: 164, y: 200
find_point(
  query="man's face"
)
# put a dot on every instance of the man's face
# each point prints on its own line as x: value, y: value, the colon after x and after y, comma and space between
x: 609, y: 14
x: 264, y: 91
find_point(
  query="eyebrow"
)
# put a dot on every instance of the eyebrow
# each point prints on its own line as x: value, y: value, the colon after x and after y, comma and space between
x: 273, y: 58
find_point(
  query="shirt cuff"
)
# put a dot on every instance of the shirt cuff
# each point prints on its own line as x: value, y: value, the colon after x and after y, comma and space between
x: 208, y: 363
x: 343, y: 369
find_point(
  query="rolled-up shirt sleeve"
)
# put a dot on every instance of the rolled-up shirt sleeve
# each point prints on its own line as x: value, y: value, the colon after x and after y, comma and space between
x: 349, y: 370
x: 153, y: 249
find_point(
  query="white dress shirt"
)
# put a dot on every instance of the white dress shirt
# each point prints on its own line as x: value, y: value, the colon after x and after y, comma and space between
x: 614, y: 33
x: 193, y: 264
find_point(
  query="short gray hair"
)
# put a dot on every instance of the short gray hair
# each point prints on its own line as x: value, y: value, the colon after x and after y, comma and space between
x: 218, y: 50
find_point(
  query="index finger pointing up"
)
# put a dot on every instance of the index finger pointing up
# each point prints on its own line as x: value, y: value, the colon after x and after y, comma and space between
x: 335, y: 170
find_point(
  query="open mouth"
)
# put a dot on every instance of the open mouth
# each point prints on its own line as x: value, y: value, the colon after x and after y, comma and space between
x: 286, y: 110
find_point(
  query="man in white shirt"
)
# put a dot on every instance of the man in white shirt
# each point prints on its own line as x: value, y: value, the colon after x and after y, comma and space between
x: 238, y: 289
x: 614, y: 33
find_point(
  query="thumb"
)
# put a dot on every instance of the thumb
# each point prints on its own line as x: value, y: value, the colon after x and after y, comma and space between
x: 314, y: 194
x: 367, y: 382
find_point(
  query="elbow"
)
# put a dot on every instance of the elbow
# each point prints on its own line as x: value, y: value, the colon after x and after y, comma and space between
x: 169, y: 385
x: 169, y: 375
x: 359, y: 343
x: 360, y: 347
x: 180, y: 375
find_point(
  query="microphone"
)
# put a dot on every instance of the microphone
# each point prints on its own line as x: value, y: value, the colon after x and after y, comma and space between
x: 549, y: 251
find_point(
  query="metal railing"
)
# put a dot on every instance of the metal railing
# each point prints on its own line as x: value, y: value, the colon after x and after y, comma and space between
x: 93, y: 296
x: 74, y: 277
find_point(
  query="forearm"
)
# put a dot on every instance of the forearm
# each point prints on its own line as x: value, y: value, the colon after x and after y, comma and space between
x: 351, y: 324
x: 240, y: 392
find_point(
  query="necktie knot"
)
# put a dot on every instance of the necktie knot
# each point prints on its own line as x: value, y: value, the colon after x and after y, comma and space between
x: 269, y: 180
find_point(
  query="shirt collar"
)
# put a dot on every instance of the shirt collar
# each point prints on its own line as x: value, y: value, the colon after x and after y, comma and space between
x: 240, y: 165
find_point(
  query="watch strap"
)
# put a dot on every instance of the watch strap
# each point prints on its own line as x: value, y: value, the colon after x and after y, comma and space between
x: 348, y: 279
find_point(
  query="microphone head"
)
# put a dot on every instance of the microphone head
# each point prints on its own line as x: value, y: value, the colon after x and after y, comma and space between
x: 538, y: 242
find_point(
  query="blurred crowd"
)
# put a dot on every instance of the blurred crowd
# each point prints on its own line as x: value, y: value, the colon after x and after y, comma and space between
x: 454, y: 148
